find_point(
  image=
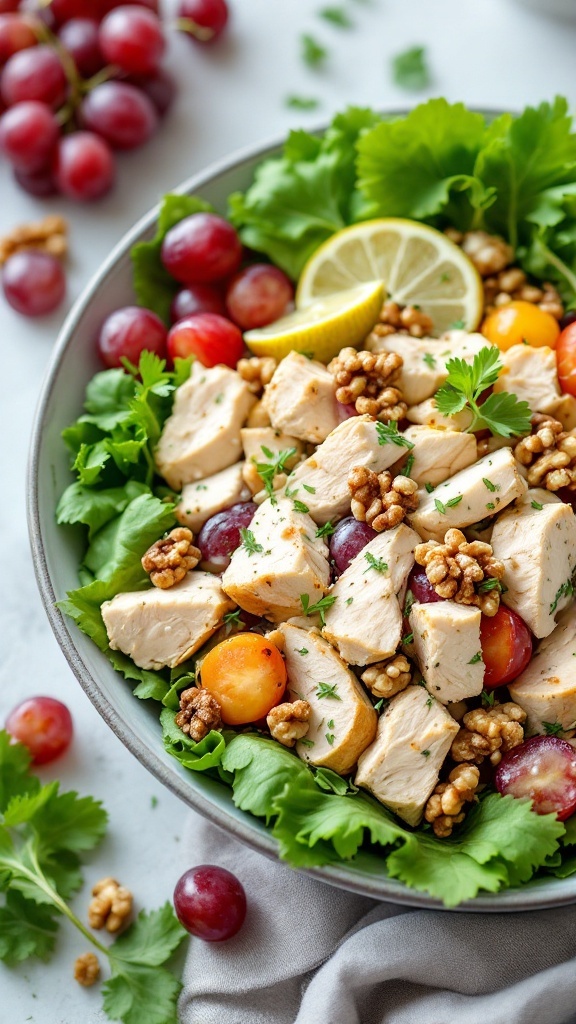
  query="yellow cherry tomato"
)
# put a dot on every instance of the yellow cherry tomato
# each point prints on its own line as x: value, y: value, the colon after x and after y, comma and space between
x: 247, y: 675
x: 520, y: 322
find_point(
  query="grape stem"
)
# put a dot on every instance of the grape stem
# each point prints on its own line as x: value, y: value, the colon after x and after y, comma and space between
x: 192, y: 28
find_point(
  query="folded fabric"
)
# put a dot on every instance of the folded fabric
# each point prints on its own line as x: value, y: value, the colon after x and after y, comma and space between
x: 312, y: 954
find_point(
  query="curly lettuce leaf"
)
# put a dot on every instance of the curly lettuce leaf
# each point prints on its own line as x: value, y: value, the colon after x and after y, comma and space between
x: 197, y: 756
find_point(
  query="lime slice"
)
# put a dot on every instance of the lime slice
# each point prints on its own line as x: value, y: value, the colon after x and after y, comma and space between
x: 323, y: 327
x: 418, y: 265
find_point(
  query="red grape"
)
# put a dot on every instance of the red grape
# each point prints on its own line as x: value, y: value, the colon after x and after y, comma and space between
x: 80, y: 37
x: 210, y: 902
x: 41, y: 183
x: 345, y: 411
x: 29, y: 133
x: 209, y: 18
x: 120, y: 113
x: 16, y: 33
x: 258, y: 295
x: 211, y: 338
x: 543, y: 769
x: 198, y: 298
x: 105, y: 6
x: 200, y: 249
x: 160, y: 89
x: 348, y: 539
x: 66, y: 10
x: 42, y: 724
x: 133, y: 39
x: 84, y: 166
x: 129, y: 331
x: 33, y: 282
x: 9, y: 6
x: 34, y: 74
x: 421, y: 587
x: 220, y: 535
x: 506, y: 647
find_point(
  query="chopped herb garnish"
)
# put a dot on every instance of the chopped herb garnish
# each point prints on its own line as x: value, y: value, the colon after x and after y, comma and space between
x: 328, y: 690
x: 330, y: 738
x: 458, y: 325
x: 375, y: 563
x: 565, y: 590
x: 410, y: 69
x: 425, y: 753
x: 219, y: 399
x: 312, y: 52
x: 388, y: 433
x: 409, y: 465
x: 490, y: 584
x: 302, y: 650
x: 249, y: 542
x: 408, y: 602
x: 268, y: 470
x: 379, y: 704
x: 336, y: 16
x: 477, y: 657
x: 429, y: 359
x: 306, y: 743
x: 429, y: 487
x: 489, y: 484
x: 307, y: 487
x: 299, y: 506
x: 440, y: 507
x: 488, y: 697
x: 429, y: 701
x: 331, y: 723
x: 454, y: 501
x: 349, y: 600
x: 490, y: 506
x: 301, y: 103
x: 537, y: 505
x: 408, y: 638
x: 502, y: 414
x: 290, y: 491
x: 233, y: 617
x: 321, y: 606
x: 325, y: 531
x: 552, y: 728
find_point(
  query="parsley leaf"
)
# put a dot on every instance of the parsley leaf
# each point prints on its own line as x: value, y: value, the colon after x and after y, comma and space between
x: 296, y: 102
x: 388, y: 433
x: 326, y: 530
x: 269, y: 470
x: 328, y: 690
x: 375, y: 563
x: 249, y: 542
x: 552, y: 728
x: 312, y: 52
x: 501, y: 413
x: 336, y: 16
x: 321, y: 606
x: 410, y: 69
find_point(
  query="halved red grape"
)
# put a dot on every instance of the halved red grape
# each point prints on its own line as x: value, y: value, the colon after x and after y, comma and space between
x: 421, y: 588
x: 34, y: 74
x: 42, y: 724
x: 16, y: 33
x: 506, y: 645
x: 133, y: 39
x: 258, y: 295
x: 544, y: 770
x: 33, y: 282
x: 80, y: 38
x: 198, y: 298
x: 208, y: 19
x: 29, y: 133
x: 128, y: 332
x: 348, y: 539
x: 200, y: 249
x: 84, y: 167
x: 209, y: 337
x: 120, y: 113
x: 210, y: 902
x: 220, y: 535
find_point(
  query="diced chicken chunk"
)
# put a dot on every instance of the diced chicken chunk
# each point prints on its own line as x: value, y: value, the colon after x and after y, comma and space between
x: 281, y: 561
x: 424, y: 369
x: 201, y: 500
x: 438, y: 454
x: 469, y: 496
x: 538, y: 548
x: 365, y: 621
x: 202, y: 436
x: 447, y: 649
x: 343, y: 721
x: 256, y: 439
x: 530, y: 374
x: 402, y: 765
x: 301, y: 399
x: 546, y: 689
x: 321, y: 482
x: 565, y: 411
x: 165, y: 627
x: 427, y: 414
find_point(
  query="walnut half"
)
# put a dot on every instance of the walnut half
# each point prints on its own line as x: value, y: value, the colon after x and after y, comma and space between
x: 169, y: 559
x: 489, y: 732
x: 199, y: 713
x: 86, y: 969
x: 111, y: 905
x: 289, y: 722
x: 380, y: 499
x: 462, y: 570
x: 444, y: 808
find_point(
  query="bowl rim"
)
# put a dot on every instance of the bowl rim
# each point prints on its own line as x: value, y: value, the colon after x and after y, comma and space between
x: 522, y: 899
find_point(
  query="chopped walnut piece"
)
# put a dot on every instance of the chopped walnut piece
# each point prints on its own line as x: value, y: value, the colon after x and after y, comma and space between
x: 444, y: 808
x: 550, y: 453
x: 111, y: 905
x: 169, y: 559
x: 489, y: 732
x: 511, y: 285
x: 398, y: 319
x: 199, y: 713
x: 380, y: 499
x: 489, y: 253
x: 86, y: 969
x: 257, y: 371
x: 289, y: 722
x: 365, y: 379
x: 48, y: 235
x: 458, y: 569
x: 386, y: 678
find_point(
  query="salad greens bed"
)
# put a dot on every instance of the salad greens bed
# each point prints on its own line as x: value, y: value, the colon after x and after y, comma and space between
x: 441, y: 164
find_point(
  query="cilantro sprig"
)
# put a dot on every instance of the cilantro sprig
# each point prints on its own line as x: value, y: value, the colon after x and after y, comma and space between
x: 502, y: 414
x: 43, y: 834
x: 269, y: 470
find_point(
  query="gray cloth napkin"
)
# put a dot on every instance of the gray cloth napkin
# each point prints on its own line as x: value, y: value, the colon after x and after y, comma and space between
x: 312, y: 954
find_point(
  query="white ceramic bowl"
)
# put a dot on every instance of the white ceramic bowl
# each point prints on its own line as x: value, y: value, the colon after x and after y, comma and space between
x: 57, y: 552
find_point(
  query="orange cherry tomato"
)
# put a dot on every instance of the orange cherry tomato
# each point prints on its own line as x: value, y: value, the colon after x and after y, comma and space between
x: 506, y: 647
x: 518, y: 323
x: 247, y: 675
x: 566, y: 356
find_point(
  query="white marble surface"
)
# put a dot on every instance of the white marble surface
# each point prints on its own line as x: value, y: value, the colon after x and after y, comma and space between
x: 487, y: 52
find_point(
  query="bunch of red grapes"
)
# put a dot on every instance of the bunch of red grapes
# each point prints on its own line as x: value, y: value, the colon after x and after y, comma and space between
x: 82, y: 78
